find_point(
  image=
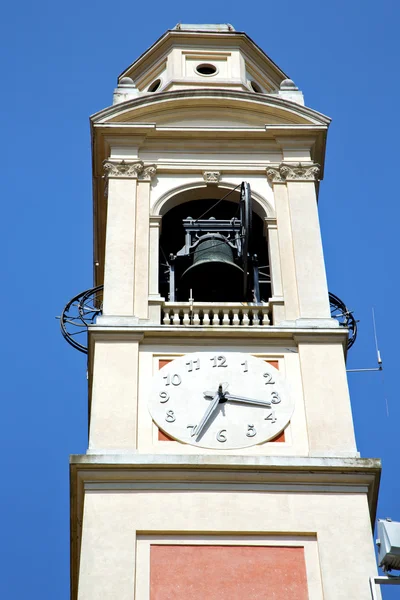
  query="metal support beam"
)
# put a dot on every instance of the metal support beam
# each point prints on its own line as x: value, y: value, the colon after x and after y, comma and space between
x: 381, y: 580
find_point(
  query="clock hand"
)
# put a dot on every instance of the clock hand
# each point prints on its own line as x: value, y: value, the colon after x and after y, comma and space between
x: 240, y: 399
x: 244, y: 400
x: 209, y: 412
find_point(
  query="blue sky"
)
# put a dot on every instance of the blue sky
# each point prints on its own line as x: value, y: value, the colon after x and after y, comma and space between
x: 60, y: 63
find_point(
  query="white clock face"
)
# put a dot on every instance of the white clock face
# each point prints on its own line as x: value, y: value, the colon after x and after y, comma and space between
x: 220, y: 400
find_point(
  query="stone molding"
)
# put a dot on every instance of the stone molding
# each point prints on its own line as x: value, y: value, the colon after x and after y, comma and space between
x: 212, y: 176
x: 148, y: 172
x: 131, y: 169
x: 293, y: 172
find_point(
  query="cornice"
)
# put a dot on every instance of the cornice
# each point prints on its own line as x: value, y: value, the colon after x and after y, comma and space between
x: 293, y: 172
x: 347, y: 474
x: 190, y: 94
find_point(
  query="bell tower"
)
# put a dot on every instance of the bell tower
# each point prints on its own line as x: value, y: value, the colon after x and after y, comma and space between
x: 221, y: 461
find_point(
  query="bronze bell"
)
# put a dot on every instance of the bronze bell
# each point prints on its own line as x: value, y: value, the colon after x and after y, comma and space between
x: 213, y: 276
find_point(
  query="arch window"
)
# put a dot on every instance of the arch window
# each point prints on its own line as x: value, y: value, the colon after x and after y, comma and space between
x: 200, y: 254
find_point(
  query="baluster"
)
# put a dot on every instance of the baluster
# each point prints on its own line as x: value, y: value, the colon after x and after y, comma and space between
x: 196, y: 317
x: 186, y: 317
x: 167, y: 318
x: 245, y: 319
x: 206, y: 317
x: 265, y: 317
x: 235, y: 317
x: 176, y: 320
x: 225, y: 318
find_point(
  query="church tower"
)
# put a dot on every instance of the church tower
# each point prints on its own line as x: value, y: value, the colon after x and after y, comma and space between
x: 221, y: 461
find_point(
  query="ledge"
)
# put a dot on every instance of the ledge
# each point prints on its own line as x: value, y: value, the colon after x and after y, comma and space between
x: 294, y: 474
x: 227, y: 462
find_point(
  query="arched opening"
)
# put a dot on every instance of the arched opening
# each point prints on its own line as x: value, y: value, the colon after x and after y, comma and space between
x: 200, y: 250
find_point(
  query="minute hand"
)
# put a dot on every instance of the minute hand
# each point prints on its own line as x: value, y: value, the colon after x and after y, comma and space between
x: 244, y: 400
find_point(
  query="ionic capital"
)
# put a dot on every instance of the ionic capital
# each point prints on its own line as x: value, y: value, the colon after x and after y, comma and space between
x: 293, y: 172
x: 122, y: 169
x: 147, y: 172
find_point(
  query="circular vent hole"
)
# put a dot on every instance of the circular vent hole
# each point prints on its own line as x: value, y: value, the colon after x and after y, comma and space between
x: 154, y: 86
x: 255, y: 87
x: 206, y: 69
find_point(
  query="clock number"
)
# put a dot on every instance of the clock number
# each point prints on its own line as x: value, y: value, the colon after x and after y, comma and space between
x: 269, y: 379
x: 275, y: 398
x: 221, y: 437
x: 175, y: 379
x: 190, y: 364
x: 170, y: 416
x: 193, y: 428
x: 251, y: 431
x: 219, y: 359
x: 244, y: 364
x: 271, y: 417
x: 164, y: 397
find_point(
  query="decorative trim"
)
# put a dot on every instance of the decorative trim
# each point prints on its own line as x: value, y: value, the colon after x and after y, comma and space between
x: 293, y: 172
x: 212, y: 176
x: 122, y: 169
x: 148, y: 172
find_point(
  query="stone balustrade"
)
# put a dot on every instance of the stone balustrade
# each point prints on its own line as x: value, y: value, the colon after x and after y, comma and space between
x: 216, y: 314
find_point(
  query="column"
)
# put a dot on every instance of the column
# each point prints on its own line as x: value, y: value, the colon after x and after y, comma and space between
x: 119, y: 266
x: 310, y: 275
x: 285, y: 246
x: 142, y: 259
x: 271, y: 232
x: 155, y: 300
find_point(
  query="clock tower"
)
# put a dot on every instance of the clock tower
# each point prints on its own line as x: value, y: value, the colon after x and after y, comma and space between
x: 221, y: 460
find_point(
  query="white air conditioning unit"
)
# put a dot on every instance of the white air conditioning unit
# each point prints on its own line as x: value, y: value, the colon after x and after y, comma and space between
x: 388, y: 543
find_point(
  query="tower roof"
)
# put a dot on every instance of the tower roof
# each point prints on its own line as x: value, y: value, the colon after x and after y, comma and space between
x: 203, y: 39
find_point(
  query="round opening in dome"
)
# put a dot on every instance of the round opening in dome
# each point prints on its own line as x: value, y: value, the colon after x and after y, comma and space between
x: 154, y: 86
x: 255, y: 87
x: 206, y: 69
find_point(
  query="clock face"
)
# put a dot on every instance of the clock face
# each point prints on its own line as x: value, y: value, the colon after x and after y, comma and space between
x: 220, y: 401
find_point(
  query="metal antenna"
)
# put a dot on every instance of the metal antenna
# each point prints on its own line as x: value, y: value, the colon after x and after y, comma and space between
x: 379, y: 360
x: 378, y: 354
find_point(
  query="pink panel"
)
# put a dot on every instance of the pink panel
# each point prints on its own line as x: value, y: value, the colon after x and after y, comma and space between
x: 227, y: 573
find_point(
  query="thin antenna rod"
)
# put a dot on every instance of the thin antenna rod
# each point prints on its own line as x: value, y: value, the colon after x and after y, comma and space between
x: 380, y: 364
x: 378, y: 354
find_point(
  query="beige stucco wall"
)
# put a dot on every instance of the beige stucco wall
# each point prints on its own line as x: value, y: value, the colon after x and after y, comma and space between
x: 122, y: 380
x: 338, y: 568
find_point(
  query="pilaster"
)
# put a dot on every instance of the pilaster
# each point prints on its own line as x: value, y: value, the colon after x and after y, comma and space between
x: 119, y: 269
x: 141, y: 289
x: 301, y: 212
x: 271, y: 230
x: 326, y: 398
x: 113, y: 416
x: 155, y: 300
x: 285, y: 243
